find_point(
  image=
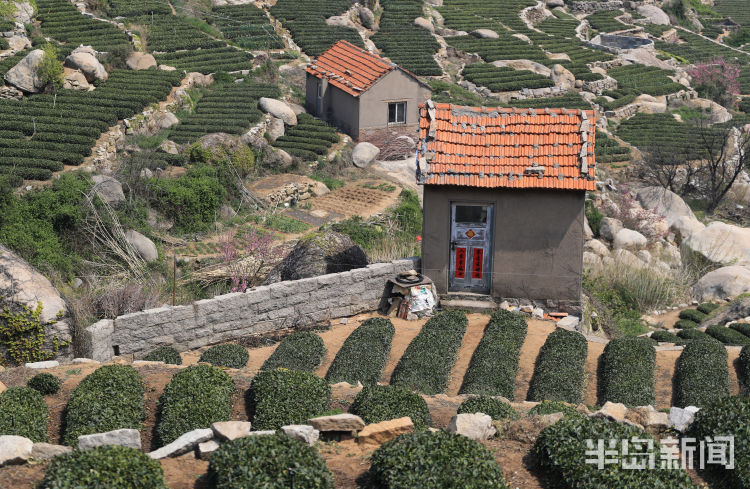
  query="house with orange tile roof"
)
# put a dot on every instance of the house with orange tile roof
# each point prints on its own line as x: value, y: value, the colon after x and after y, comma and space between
x: 504, y: 192
x: 361, y: 93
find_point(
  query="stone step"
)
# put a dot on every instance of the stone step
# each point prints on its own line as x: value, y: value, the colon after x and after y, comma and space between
x: 470, y: 301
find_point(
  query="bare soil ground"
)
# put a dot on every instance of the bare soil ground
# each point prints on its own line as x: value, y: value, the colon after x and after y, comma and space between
x: 346, y: 459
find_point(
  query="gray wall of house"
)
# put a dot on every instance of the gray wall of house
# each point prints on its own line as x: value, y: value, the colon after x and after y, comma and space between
x: 338, y: 107
x: 538, y: 239
x: 396, y: 86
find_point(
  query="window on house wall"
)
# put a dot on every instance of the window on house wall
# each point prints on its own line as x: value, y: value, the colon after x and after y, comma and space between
x: 397, y: 113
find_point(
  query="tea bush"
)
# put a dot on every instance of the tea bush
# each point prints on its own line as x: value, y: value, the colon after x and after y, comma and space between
x: 728, y: 336
x: 427, y: 362
x: 504, y: 79
x: 364, y: 354
x: 105, y: 466
x: 281, y: 397
x: 744, y: 371
x: 685, y: 324
x: 667, y: 337
x: 230, y: 356
x: 437, y: 459
x: 494, y: 408
x: 743, y: 328
x: 271, y: 462
x: 302, y: 350
x: 561, y: 451
x: 708, y: 307
x: 628, y: 372
x: 44, y: 383
x: 195, y: 398
x: 376, y: 403
x: 309, y: 139
x: 165, y: 354
x: 110, y: 398
x: 559, y: 371
x: 494, y: 364
x: 695, y: 334
x: 551, y: 407
x: 692, y: 315
x: 702, y: 374
x: 23, y: 412
x: 720, y: 418
x: 246, y: 26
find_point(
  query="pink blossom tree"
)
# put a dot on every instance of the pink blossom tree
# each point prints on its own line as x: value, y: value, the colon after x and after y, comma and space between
x: 246, y: 258
x: 717, y: 80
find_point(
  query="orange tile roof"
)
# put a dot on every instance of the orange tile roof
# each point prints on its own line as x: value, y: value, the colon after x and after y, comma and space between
x: 350, y: 68
x: 499, y: 147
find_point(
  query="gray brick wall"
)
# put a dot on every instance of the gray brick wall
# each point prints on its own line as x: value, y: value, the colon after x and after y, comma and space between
x: 231, y: 316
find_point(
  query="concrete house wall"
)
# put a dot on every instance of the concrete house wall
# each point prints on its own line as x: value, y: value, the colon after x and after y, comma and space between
x: 537, y: 249
x: 338, y: 107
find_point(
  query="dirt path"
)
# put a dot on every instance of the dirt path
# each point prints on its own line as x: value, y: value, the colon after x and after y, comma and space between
x: 474, y: 333
x: 405, y: 332
x: 591, y: 380
x: 535, y: 338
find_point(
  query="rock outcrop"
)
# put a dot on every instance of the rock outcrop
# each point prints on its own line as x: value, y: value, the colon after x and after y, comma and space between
x: 721, y: 243
x: 24, y: 76
x: 140, y: 61
x: 364, y: 154
x: 144, y: 246
x: 722, y: 283
x: 279, y: 109
x: 83, y: 58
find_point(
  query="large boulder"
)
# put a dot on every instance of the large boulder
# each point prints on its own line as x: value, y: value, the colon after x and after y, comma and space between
x: 737, y: 309
x: 165, y: 119
x: 721, y: 243
x: 140, y: 61
x: 523, y: 64
x: 144, y: 246
x: 364, y: 154
x: 676, y: 213
x: 108, y: 189
x: 485, y: 34
x: 653, y: 14
x: 75, y: 80
x: 279, y: 109
x: 21, y: 283
x: 24, y: 76
x: 84, y: 59
x: 367, y: 18
x: 723, y: 282
x: 18, y: 43
x: 319, y: 254
x: 609, y: 227
x: 563, y: 77
x: 275, y: 128
x: 627, y: 239
x: 424, y: 24
x: 14, y: 449
x: 477, y: 426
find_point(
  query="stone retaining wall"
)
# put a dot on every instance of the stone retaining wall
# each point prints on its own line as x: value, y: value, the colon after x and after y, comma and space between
x: 231, y: 316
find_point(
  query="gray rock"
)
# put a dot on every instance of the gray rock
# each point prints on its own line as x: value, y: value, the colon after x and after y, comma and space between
x: 302, y: 432
x: 75, y: 80
x: 21, y: 283
x: 680, y: 419
x: 318, y: 189
x: 587, y: 232
x: 537, y: 313
x: 477, y: 426
x: 569, y: 322
x: 275, y: 128
x: 168, y: 147
x: 165, y: 119
x: 231, y: 430
x: 723, y: 283
x: 734, y: 311
x: 523, y: 64
x: 206, y: 448
x: 140, y: 61
x: 45, y: 451
x: 14, y: 449
x: 108, y: 189
x: 554, y: 3
x: 424, y: 24
x: 18, y: 43
x: 597, y: 247
x: 24, y: 76
x: 721, y: 243
x: 615, y: 411
x: 364, y: 154
x: 652, y: 418
x: 262, y: 433
x: 82, y: 59
x: 653, y: 14
x: 42, y: 365
x: 627, y: 239
x: 485, y: 34
x: 367, y: 18
x: 124, y: 437
x: 550, y: 419
x: 278, y: 109
x: 609, y: 228
x: 337, y: 422
x: 341, y: 21
x: 183, y: 444
x: 144, y: 246
x: 98, y: 340
x: 677, y: 214
x: 562, y: 77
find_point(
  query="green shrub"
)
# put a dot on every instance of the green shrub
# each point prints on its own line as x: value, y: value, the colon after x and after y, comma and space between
x: 627, y: 368
x: 195, y: 398
x: 427, y: 362
x: 728, y: 336
x: 693, y: 315
x: 685, y: 324
x: 490, y: 372
x: 110, y: 398
x: 744, y: 372
x: 230, y: 356
x: 695, y: 334
x: 702, y: 374
x: 743, y: 328
x: 561, y: 450
x: 113, y: 467
x: 594, y: 217
x: 721, y: 418
x: 299, y: 351
x: 23, y: 412
x: 551, y: 407
x: 45, y: 383
x: 165, y: 354
x: 281, y: 397
x: 271, y: 462
x: 708, y: 307
x: 559, y: 371
x: 495, y: 408
x: 376, y: 403
x: 364, y: 354
x: 435, y: 460
x: 662, y: 336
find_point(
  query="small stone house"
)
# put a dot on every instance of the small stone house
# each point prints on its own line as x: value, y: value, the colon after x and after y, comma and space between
x: 504, y: 193
x: 362, y: 94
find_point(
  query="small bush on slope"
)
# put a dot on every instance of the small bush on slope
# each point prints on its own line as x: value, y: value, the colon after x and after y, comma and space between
x: 23, y: 412
x: 195, y: 398
x: 270, y: 462
x: 364, y: 354
x: 44, y: 383
x: 628, y: 372
x: 728, y: 336
x: 302, y: 350
x: 702, y: 374
x: 165, y: 354
x: 378, y: 403
x: 281, y: 397
x: 745, y: 369
x: 692, y: 315
x: 494, y: 408
x: 435, y: 460
x: 559, y: 371
x: 230, y: 356
x: 550, y: 407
